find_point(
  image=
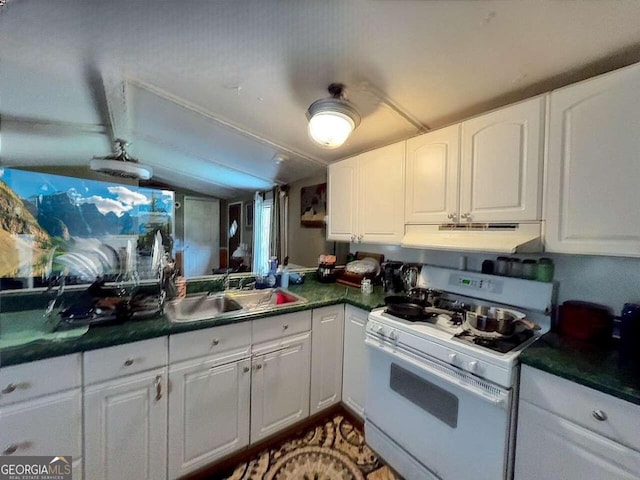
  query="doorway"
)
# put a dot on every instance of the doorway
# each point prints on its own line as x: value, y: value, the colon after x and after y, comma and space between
x: 201, y: 236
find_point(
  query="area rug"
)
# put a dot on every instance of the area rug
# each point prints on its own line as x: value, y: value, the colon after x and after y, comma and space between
x: 332, y: 450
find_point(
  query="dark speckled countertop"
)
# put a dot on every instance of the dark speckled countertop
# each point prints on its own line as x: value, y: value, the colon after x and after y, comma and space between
x: 597, y: 367
x: 316, y: 293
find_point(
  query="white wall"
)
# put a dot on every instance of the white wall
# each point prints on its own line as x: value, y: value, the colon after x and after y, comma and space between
x: 611, y: 281
x: 305, y: 244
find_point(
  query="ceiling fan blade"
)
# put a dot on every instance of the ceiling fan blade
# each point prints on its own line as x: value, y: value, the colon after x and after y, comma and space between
x: 109, y: 91
x: 53, y: 128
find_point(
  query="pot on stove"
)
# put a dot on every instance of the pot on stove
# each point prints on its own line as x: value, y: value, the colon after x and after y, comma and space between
x: 424, y: 296
x: 498, y: 320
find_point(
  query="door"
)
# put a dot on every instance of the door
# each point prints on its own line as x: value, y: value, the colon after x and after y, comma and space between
x: 208, y: 412
x: 201, y: 235
x: 125, y: 428
x: 501, y: 164
x: 326, y: 357
x: 577, y: 453
x: 431, y: 186
x: 594, y: 165
x: 355, y: 362
x: 342, y: 202
x: 435, y: 411
x: 381, y: 199
x: 280, y: 386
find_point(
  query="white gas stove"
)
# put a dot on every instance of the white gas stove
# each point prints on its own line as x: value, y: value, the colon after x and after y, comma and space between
x: 436, y: 386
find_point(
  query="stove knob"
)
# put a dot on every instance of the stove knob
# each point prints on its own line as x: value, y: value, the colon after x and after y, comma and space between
x: 380, y: 330
x: 393, y: 335
x: 473, y: 365
x: 452, y: 357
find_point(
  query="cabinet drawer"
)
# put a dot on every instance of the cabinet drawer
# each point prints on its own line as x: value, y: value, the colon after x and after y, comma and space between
x: 124, y: 360
x: 210, y: 341
x: 579, y: 404
x: 271, y: 328
x: 30, y: 380
x: 44, y: 426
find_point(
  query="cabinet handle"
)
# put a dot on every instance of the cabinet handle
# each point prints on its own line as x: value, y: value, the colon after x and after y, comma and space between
x: 158, y: 385
x: 9, y: 388
x: 452, y: 216
x: 360, y: 237
x: 128, y: 362
x: 599, y: 415
x: 259, y: 366
x: 353, y: 238
x: 285, y: 326
x: 215, y: 342
x: 466, y: 216
x: 246, y: 369
x: 10, y: 449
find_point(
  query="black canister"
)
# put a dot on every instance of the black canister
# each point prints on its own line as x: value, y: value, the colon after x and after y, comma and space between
x: 630, y: 331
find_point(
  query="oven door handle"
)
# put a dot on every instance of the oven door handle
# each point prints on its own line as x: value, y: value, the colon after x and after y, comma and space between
x: 448, y: 374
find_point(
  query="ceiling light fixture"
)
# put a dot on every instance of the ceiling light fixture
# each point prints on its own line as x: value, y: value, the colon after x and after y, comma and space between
x: 331, y: 120
x: 120, y: 164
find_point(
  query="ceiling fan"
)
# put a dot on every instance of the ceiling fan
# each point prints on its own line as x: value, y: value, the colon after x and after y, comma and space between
x: 110, y: 97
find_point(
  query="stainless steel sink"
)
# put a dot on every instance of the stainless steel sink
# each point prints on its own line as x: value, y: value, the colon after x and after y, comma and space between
x: 265, y: 299
x: 199, y: 307
x: 205, y: 306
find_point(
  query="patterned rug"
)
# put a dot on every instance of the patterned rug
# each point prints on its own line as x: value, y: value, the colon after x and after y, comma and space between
x: 332, y: 450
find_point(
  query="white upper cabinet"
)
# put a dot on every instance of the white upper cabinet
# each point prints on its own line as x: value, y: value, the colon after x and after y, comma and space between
x: 382, y: 194
x: 592, y: 193
x: 366, y: 197
x: 342, y: 206
x: 431, y: 188
x: 487, y: 169
x: 501, y: 164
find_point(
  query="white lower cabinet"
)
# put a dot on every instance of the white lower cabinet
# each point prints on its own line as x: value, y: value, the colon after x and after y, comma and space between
x: 41, y: 409
x: 49, y: 425
x: 208, y: 412
x: 326, y: 357
x: 280, y: 384
x: 125, y: 427
x: 570, y: 432
x: 355, y: 364
x: 552, y: 448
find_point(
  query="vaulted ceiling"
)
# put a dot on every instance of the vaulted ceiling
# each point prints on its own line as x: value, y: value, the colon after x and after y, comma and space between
x: 213, y: 94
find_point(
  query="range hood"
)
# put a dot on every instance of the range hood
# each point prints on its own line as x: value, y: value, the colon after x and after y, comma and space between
x: 479, y: 237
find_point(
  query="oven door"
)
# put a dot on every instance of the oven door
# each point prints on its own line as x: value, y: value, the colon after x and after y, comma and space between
x: 453, y: 423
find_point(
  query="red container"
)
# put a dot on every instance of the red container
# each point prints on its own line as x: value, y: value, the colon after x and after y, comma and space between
x: 585, y: 321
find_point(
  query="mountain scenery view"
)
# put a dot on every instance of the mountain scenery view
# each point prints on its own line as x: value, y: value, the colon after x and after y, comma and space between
x: 83, y: 228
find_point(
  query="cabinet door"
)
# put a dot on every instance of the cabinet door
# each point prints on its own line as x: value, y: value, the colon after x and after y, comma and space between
x: 551, y: 448
x: 280, y: 387
x: 501, y: 164
x: 48, y: 425
x: 593, y: 169
x: 342, y: 202
x: 208, y: 412
x: 381, y: 200
x: 326, y: 357
x: 126, y: 428
x: 355, y: 364
x: 431, y: 186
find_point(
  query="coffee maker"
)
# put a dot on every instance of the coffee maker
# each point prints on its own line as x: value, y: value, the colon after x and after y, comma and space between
x: 392, y: 277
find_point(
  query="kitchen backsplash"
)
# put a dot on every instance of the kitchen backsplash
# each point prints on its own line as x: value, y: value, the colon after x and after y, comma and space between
x: 611, y: 281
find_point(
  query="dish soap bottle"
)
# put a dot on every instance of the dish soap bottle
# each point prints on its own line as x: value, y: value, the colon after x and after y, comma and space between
x: 273, y: 269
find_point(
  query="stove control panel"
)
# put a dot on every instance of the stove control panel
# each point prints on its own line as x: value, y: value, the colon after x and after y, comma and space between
x: 472, y: 283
